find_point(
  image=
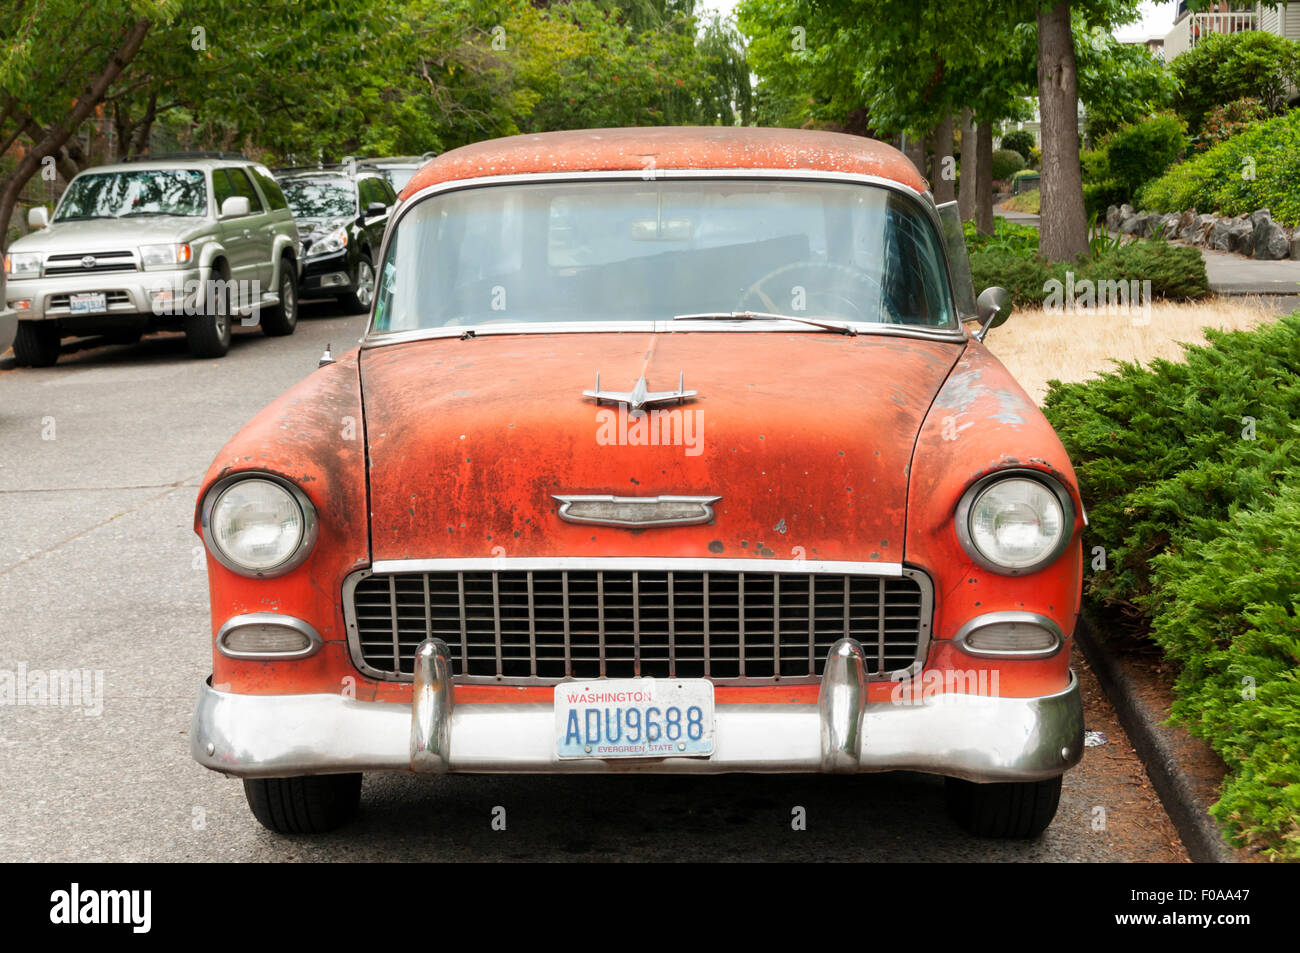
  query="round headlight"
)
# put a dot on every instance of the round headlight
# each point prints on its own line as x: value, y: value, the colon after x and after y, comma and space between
x: 1014, y: 524
x: 259, y: 526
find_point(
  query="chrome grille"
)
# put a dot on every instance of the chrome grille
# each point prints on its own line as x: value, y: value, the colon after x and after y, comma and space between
x: 543, y: 625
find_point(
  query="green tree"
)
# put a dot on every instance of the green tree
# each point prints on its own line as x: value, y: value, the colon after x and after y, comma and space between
x: 1224, y: 67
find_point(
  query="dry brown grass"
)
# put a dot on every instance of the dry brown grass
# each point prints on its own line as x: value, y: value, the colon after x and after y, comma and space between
x: 1037, y: 346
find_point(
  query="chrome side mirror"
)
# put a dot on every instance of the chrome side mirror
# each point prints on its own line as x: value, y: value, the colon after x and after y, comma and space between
x: 38, y: 217
x: 993, y: 307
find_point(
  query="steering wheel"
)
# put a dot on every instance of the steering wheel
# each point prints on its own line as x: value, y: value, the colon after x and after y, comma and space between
x: 842, y: 305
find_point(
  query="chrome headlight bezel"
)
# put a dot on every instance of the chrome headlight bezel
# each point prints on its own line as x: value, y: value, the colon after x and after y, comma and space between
x: 966, y: 505
x: 307, y: 542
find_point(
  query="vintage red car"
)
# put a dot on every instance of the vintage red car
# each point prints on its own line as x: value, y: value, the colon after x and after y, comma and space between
x: 666, y: 450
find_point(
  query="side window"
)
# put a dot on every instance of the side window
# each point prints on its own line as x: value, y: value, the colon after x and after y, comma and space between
x: 270, y: 188
x: 366, y: 187
x: 221, y: 187
x: 243, y: 185
x: 390, y: 197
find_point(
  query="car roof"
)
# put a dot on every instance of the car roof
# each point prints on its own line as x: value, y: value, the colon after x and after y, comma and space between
x: 671, y: 147
x: 175, y: 163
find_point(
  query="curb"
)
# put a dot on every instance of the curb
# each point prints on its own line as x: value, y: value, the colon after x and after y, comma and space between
x: 1198, y: 830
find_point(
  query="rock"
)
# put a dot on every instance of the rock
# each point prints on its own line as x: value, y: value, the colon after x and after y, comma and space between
x: 1259, y: 217
x: 1295, y: 245
x: 1200, y: 230
x: 1185, y: 220
x: 1113, y: 219
x: 1272, y: 241
x: 1132, y: 224
x: 1218, y: 236
x: 1241, y: 237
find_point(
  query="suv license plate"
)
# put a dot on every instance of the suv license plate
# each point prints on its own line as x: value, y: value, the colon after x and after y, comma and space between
x: 96, y: 303
x: 634, y: 718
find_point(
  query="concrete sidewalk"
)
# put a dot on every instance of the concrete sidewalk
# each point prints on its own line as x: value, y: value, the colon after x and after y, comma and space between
x: 1228, y: 274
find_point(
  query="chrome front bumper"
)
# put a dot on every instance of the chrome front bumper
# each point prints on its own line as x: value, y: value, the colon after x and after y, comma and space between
x: 138, y: 286
x: 977, y: 737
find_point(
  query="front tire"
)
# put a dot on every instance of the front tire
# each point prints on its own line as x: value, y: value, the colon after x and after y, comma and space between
x: 304, y: 805
x: 207, y: 332
x: 283, y: 318
x: 1015, y: 809
x: 37, y: 343
x: 364, y: 287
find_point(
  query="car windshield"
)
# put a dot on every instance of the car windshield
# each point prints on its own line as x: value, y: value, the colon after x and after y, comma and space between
x: 320, y: 197
x: 137, y: 192
x: 651, y: 250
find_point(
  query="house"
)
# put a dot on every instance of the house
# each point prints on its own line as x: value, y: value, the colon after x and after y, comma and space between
x: 1223, y: 17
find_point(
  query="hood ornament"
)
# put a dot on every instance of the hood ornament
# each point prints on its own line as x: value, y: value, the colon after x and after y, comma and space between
x: 636, y: 512
x: 640, y: 397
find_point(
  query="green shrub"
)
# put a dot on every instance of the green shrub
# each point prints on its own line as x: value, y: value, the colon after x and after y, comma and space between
x: 1224, y: 122
x: 1009, y: 258
x: 1223, y: 68
x: 1260, y: 168
x: 1141, y: 152
x: 1006, y: 163
x: 1099, y: 196
x: 1094, y: 165
x: 1190, y: 474
x: 1021, y: 140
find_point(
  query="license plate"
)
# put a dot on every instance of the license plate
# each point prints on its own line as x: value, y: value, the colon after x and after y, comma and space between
x: 634, y: 718
x: 95, y: 303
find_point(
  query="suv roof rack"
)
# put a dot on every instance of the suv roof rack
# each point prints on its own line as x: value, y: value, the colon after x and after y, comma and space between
x: 196, y: 154
x: 319, y: 167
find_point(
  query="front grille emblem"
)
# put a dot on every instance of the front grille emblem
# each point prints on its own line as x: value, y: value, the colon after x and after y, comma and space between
x: 641, y: 397
x: 89, y: 261
x: 636, y: 512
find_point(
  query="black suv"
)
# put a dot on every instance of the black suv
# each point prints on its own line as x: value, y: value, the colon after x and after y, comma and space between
x: 341, y: 217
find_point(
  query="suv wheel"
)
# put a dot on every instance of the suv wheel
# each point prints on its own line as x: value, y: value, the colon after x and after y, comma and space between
x: 207, y: 331
x: 304, y: 805
x: 363, y: 287
x: 1014, y: 809
x: 283, y: 318
x: 37, y: 343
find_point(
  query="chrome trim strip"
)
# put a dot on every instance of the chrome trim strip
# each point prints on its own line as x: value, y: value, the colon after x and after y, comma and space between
x: 567, y: 501
x: 315, y: 642
x: 651, y: 563
x: 311, y: 526
x: 811, y: 568
x: 372, y: 338
x: 976, y: 737
x: 961, y: 518
x: 993, y: 618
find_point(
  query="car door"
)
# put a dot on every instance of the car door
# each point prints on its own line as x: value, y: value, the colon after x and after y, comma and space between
x: 261, y: 229
x: 236, y: 234
x: 374, y: 190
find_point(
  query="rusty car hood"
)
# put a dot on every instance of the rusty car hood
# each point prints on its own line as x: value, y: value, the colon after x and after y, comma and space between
x: 806, y: 437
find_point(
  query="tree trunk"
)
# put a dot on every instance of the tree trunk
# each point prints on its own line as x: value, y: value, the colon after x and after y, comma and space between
x: 944, y: 167
x: 969, y: 168
x: 984, y: 178
x: 51, y: 140
x: 916, y: 151
x: 1063, y: 228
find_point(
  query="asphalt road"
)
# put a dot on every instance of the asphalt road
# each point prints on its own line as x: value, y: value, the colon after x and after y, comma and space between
x: 100, y: 570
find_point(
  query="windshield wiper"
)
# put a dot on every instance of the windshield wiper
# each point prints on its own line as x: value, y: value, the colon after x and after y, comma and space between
x: 766, y: 316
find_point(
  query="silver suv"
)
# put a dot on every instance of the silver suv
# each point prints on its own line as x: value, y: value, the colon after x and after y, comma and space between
x: 190, y: 241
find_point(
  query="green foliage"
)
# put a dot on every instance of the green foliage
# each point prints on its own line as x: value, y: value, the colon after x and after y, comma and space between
x: 1009, y: 258
x: 1260, y: 168
x: 1191, y: 476
x: 1030, y: 202
x: 1099, y: 196
x: 1093, y: 163
x: 1119, y: 83
x: 1224, y: 122
x: 1224, y: 67
x: 1142, y: 151
x: 1006, y: 163
x: 1019, y: 140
